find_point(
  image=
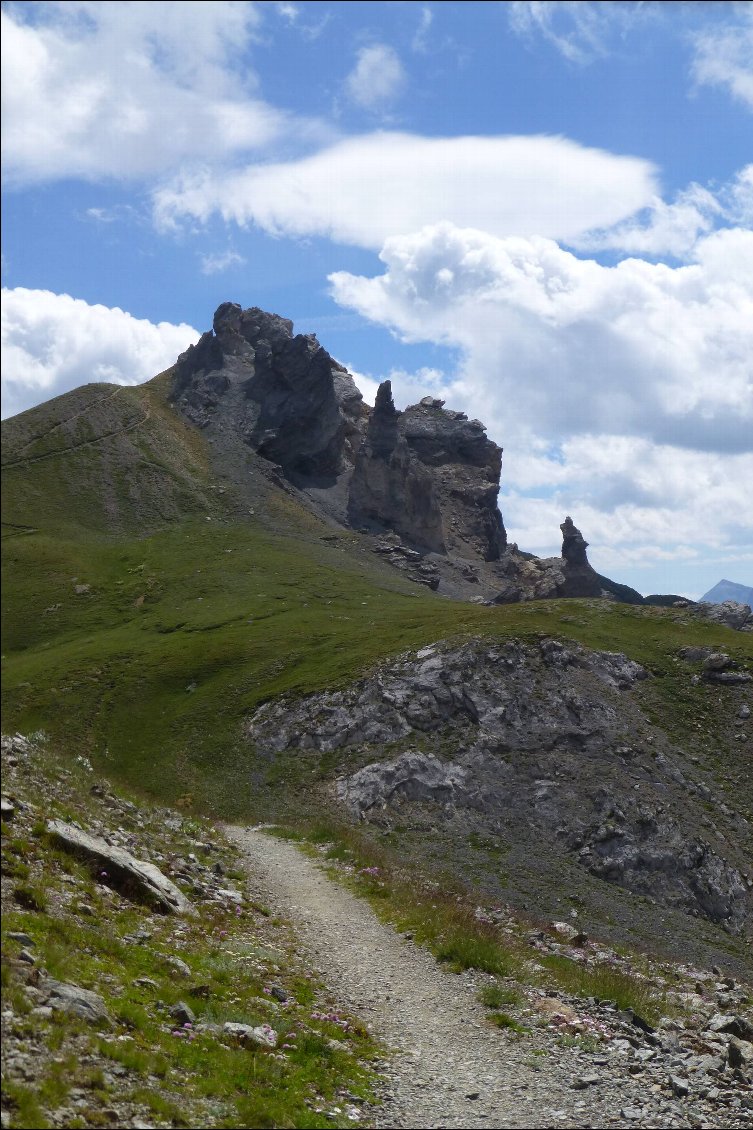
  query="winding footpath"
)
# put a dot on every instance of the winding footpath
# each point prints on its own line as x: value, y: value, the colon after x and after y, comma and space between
x: 449, y: 1067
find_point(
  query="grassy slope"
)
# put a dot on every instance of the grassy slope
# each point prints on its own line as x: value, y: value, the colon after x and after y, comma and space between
x: 194, y: 616
x: 233, y: 951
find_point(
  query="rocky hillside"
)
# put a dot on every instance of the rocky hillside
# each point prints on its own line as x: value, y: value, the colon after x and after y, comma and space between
x: 144, y: 984
x: 543, y: 751
x: 148, y: 981
x: 228, y: 589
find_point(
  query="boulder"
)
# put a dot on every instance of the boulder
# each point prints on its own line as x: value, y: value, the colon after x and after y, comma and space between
x: 732, y: 613
x: 262, y: 1036
x: 72, y: 999
x: 132, y: 876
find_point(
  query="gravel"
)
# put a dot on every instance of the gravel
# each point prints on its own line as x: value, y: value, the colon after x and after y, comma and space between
x: 446, y: 1065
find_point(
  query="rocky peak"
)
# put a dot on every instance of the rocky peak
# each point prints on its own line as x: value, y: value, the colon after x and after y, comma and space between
x: 574, y: 545
x: 427, y: 473
x: 281, y: 393
x: 252, y: 325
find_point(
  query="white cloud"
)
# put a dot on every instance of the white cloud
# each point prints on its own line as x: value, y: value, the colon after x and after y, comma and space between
x: 675, y: 229
x: 724, y: 55
x: 581, y: 30
x: 52, y: 343
x: 622, y: 395
x: 637, y: 349
x: 420, y: 40
x: 92, y: 89
x: 363, y: 190
x: 219, y: 261
x: 669, y: 229
x: 377, y: 78
x: 289, y: 12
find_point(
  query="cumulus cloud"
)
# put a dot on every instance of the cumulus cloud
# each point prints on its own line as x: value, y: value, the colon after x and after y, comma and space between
x: 52, y: 343
x: 724, y: 55
x: 92, y: 89
x: 663, y: 229
x: 377, y: 78
x: 523, y: 185
x: 624, y: 393
x: 639, y: 348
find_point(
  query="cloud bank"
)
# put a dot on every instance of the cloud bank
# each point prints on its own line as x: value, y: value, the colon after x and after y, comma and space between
x: 52, y: 343
x: 625, y: 392
x: 130, y: 91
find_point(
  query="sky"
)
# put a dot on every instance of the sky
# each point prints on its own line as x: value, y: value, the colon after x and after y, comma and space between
x: 541, y: 212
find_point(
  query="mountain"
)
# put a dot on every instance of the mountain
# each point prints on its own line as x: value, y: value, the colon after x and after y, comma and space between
x: 241, y: 589
x: 729, y: 590
x: 427, y: 477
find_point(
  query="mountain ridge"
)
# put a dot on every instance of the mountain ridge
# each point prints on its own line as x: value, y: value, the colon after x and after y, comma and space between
x: 183, y: 553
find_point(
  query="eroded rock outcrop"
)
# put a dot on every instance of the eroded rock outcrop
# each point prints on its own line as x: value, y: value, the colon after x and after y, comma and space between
x: 391, y: 488
x: 283, y: 394
x: 429, y: 474
x: 545, y: 744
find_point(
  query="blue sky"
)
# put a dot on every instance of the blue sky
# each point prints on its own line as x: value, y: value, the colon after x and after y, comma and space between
x: 541, y: 211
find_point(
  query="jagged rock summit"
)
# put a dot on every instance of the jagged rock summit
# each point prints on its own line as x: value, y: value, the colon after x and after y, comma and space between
x: 429, y: 474
x: 423, y: 481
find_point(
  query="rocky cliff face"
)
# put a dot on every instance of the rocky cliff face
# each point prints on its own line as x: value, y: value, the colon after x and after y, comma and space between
x: 282, y: 394
x: 428, y: 474
x: 427, y: 477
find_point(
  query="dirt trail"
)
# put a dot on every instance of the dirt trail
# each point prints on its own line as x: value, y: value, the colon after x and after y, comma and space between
x: 451, y: 1068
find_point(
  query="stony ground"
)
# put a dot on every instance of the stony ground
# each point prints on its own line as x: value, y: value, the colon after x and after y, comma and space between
x: 267, y: 1002
x: 114, y: 1015
x: 451, y: 1068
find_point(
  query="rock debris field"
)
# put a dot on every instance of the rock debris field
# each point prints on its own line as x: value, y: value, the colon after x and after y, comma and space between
x: 448, y: 1067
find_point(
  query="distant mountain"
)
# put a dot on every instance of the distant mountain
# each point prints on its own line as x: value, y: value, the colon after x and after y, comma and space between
x: 729, y: 590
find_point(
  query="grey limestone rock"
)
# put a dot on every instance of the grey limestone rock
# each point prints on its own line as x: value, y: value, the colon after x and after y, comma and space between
x: 412, y: 776
x: 182, y: 1013
x: 284, y: 394
x: 262, y: 1035
x: 64, y: 997
x: 428, y: 473
x: 391, y: 487
x: 732, y: 613
x: 132, y: 874
x: 528, y: 736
